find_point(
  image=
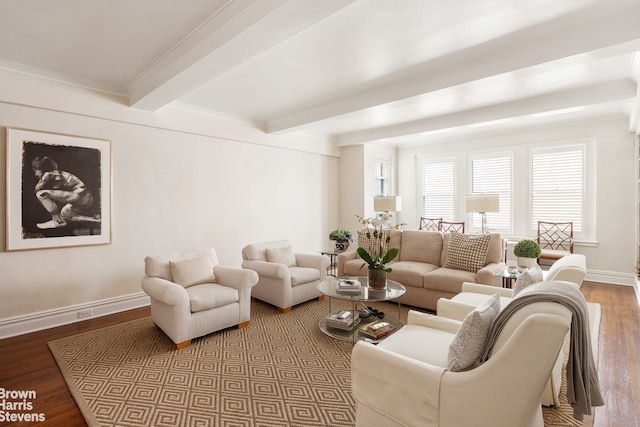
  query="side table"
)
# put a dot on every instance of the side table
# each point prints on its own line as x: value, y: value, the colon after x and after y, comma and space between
x: 508, y: 279
x: 333, y: 262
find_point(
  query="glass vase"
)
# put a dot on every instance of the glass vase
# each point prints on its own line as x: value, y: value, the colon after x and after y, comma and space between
x: 377, y: 278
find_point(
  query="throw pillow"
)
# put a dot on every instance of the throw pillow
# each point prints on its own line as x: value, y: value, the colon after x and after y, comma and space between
x: 192, y: 271
x: 282, y: 256
x: 526, y: 278
x: 468, y: 253
x: 467, y: 346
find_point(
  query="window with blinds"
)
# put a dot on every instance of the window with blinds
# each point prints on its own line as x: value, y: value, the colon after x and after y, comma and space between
x: 382, y: 177
x: 493, y: 175
x: 438, y: 189
x: 557, y: 186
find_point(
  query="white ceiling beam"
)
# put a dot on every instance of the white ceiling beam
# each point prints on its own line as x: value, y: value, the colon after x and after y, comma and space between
x: 617, y: 90
x: 634, y: 113
x: 594, y: 27
x: 243, y: 29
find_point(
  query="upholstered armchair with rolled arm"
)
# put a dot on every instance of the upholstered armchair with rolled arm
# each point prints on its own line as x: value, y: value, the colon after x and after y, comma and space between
x: 286, y: 278
x: 191, y: 295
x: 570, y: 269
x: 409, y: 380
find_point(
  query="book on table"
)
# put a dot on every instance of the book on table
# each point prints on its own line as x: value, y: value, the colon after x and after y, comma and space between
x: 377, y: 329
x: 349, y: 286
x: 343, y: 319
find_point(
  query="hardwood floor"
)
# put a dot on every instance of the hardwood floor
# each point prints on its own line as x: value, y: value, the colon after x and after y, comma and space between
x: 27, y: 364
x: 619, y: 363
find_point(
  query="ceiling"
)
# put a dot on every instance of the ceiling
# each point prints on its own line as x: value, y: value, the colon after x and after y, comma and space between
x: 357, y: 71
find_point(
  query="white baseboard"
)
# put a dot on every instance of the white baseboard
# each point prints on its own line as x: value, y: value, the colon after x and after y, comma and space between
x: 611, y: 277
x: 38, y: 321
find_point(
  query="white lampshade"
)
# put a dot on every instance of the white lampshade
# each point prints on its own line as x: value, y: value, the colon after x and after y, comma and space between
x: 387, y: 204
x: 483, y: 203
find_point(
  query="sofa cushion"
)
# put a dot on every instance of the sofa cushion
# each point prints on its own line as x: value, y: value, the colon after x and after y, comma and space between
x: 192, y: 271
x: 257, y: 251
x: 526, y: 278
x: 428, y: 345
x: 353, y: 267
x: 495, y: 253
x: 448, y: 279
x: 468, y: 253
x: 467, y: 346
x: 210, y: 295
x: 158, y: 266
x: 421, y: 246
x: 301, y: 275
x: 396, y: 239
x: 282, y: 255
x: 410, y: 273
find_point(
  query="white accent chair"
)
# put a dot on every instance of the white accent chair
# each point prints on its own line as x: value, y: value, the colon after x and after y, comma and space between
x: 403, y: 381
x: 191, y: 295
x: 570, y: 269
x: 286, y: 278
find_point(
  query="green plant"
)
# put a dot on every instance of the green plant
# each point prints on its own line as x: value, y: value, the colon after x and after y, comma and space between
x: 527, y: 249
x: 341, y: 235
x: 377, y: 258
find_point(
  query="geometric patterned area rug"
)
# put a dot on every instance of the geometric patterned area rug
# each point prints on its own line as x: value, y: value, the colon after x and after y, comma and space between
x: 281, y: 370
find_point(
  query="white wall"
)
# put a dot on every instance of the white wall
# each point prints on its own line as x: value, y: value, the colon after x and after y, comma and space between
x: 180, y: 180
x: 357, y: 181
x: 612, y: 258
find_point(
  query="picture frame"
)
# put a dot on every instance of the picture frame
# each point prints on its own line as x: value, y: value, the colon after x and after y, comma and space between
x: 58, y: 190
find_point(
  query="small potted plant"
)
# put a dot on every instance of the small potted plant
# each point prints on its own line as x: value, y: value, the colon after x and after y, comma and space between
x: 377, y: 258
x: 527, y: 252
x: 342, y: 238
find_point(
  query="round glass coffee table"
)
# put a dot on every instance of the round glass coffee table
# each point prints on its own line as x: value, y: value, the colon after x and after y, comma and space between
x: 329, y: 287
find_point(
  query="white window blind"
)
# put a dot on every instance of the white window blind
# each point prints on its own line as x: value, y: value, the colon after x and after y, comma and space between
x: 438, y: 189
x: 493, y: 175
x: 557, y: 186
x: 382, y: 177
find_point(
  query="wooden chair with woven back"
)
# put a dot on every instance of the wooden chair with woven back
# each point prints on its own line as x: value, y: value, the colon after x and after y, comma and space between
x: 555, y: 239
x: 448, y: 227
x: 429, y: 224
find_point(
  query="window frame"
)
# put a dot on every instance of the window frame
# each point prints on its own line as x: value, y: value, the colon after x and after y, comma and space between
x: 382, y: 180
x: 488, y: 155
x: 422, y: 163
x: 585, y: 146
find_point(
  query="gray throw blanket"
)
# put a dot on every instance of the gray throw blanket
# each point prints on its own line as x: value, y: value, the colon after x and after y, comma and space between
x: 583, y: 388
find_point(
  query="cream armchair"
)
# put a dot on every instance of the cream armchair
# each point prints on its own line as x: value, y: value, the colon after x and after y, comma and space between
x: 191, y: 295
x: 403, y: 381
x: 285, y: 278
x: 570, y: 269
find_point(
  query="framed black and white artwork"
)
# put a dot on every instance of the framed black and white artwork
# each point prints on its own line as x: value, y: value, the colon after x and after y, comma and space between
x: 58, y: 190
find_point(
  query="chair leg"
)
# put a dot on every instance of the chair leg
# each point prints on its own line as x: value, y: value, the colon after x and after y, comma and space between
x: 183, y: 344
x: 321, y: 297
x: 243, y: 324
x: 284, y: 310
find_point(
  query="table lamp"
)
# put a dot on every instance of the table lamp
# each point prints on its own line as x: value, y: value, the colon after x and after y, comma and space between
x: 387, y: 204
x: 483, y: 203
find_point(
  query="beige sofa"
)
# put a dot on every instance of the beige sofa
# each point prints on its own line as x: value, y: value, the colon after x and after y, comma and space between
x: 420, y: 266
